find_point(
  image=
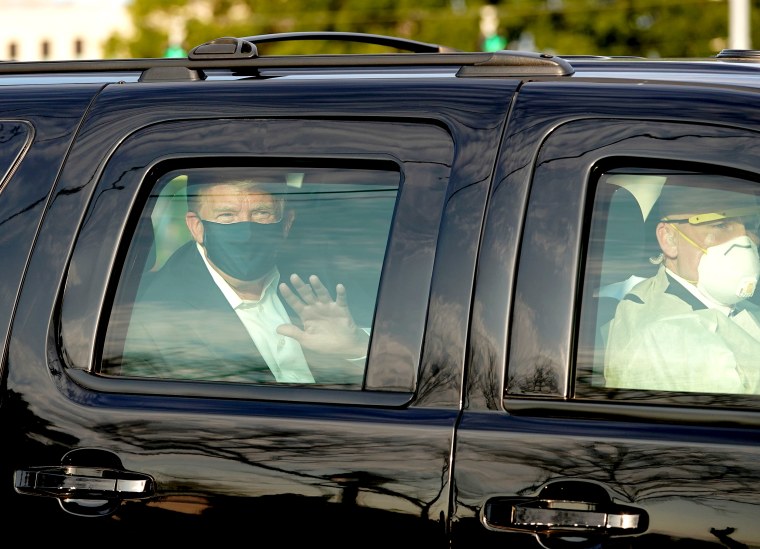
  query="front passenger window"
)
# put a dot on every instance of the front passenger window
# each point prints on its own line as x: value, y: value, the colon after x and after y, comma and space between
x: 670, y: 288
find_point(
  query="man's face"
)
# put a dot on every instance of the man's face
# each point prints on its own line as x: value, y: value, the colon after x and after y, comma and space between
x: 234, y: 255
x: 684, y: 256
x: 235, y: 203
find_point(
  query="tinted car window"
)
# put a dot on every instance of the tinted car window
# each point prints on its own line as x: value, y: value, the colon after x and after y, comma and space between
x: 669, y: 292
x: 205, y: 295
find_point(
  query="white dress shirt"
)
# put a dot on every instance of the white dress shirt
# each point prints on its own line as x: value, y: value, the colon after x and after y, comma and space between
x: 261, y: 318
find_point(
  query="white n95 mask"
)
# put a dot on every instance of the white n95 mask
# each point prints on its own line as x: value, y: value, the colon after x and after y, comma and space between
x: 728, y: 272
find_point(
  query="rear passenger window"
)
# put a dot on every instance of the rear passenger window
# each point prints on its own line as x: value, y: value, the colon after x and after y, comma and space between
x: 259, y: 274
x: 670, y: 299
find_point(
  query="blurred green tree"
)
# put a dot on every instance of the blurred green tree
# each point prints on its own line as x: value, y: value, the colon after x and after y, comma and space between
x: 646, y: 28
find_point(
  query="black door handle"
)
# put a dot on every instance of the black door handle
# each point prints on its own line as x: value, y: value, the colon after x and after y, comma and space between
x: 565, y: 509
x: 572, y: 514
x: 82, y: 483
x: 83, y: 488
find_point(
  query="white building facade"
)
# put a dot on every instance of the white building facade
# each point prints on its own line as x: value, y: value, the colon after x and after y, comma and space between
x: 47, y: 30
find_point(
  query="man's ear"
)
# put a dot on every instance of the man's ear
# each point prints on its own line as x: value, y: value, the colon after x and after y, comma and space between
x: 667, y: 240
x: 195, y: 226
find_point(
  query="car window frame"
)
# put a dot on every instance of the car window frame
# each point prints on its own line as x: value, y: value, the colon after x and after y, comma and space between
x: 143, y: 259
x: 425, y: 173
x: 598, y: 144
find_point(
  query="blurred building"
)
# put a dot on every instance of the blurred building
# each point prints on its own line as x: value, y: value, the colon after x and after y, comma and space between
x: 42, y: 30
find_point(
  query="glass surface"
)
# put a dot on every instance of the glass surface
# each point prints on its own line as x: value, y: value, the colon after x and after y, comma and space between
x: 669, y: 306
x: 219, y: 293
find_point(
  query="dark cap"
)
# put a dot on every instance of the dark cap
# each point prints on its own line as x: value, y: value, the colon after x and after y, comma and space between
x: 691, y: 194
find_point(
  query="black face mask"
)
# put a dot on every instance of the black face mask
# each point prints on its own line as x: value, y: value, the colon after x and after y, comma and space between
x: 245, y: 250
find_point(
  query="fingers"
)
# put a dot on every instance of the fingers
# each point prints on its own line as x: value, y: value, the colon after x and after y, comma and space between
x: 289, y: 330
x: 313, y: 292
x: 304, y: 290
x: 292, y: 299
x: 319, y: 289
x: 340, y: 295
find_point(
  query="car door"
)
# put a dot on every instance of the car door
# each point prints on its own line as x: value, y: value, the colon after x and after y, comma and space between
x: 547, y: 454
x: 38, y: 117
x: 185, y: 459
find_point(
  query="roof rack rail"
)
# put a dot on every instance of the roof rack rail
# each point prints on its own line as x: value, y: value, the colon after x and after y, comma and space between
x: 739, y: 54
x: 241, y: 56
x: 498, y: 63
x: 583, y: 57
x: 227, y: 47
x: 359, y: 37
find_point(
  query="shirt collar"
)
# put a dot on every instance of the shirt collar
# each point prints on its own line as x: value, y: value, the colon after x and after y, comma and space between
x: 704, y: 301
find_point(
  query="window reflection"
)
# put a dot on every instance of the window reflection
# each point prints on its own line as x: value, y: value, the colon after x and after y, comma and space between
x: 253, y: 275
x: 669, y: 297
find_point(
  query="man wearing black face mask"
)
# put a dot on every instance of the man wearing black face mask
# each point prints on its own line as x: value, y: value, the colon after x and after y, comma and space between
x: 213, y: 312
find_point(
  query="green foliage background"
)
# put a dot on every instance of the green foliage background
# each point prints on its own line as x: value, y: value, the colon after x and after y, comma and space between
x: 649, y: 28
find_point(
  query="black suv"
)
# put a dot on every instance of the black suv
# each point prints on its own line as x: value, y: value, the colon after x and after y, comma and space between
x: 473, y: 219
